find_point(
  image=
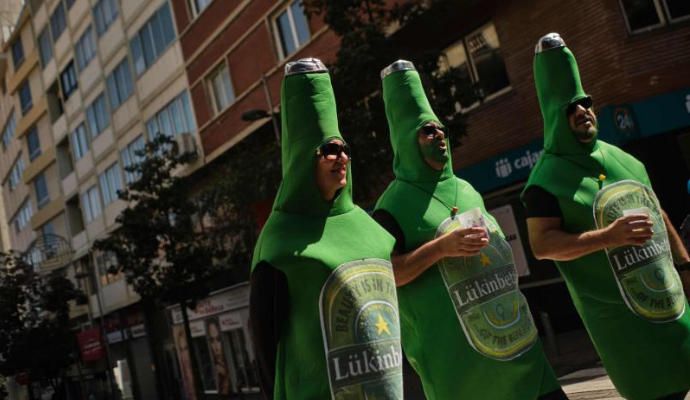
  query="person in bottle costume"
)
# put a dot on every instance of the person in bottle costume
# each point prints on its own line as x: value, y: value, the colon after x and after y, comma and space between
x: 591, y: 208
x: 323, y: 305
x: 466, y: 328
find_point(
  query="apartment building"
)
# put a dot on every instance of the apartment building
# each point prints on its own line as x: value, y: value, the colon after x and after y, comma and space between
x: 88, y: 83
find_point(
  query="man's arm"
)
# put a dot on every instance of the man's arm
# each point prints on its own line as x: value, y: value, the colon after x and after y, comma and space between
x: 268, y: 307
x: 680, y: 253
x: 459, y: 243
x: 549, y: 241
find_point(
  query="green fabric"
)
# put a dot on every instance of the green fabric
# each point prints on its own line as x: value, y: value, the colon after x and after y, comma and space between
x: 645, y: 360
x: 420, y: 199
x: 337, y: 263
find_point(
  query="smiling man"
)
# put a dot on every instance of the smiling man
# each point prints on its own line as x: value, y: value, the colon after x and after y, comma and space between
x: 466, y: 328
x: 591, y: 209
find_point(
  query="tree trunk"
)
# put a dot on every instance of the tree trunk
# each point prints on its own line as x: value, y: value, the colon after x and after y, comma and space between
x: 149, y: 309
x: 198, y: 391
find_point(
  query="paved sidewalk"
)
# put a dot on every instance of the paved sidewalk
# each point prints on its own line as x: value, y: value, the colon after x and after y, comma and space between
x: 590, y: 384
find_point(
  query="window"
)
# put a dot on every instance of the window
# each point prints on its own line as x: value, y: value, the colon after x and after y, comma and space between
x: 25, y: 99
x: 119, y: 84
x: 68, y: 80
x: 205, y: 363
x: 97, y: 116
x: 131, y: 156
x: 91, y: 202
x: 104, y: 13
x: 152, y: 39
x: 645, y: 15
x: 17, y: 53
x: 292, y: 28
x: 16, y: 173
x: 243, y: 376
x: 33, y: 143
x: 45, y: 46
x: 174, y: 118
x: 220, y: 88
x: 110, y: 183
x: 199, y: 5
x: 41, y: 187
x: 58, y: 21
x: 85, y: 48
x: 80, y: 142
x: 478, y: 63
x: 23, y: 217
x: 105, y: 260
x: 8, y: 131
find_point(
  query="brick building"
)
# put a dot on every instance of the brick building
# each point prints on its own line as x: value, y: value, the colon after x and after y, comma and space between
x: 631, y: 57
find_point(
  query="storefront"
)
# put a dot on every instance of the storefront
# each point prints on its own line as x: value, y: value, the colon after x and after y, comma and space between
x: 222, y: 346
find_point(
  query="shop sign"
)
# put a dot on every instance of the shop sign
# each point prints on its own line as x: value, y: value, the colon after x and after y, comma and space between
x: 503, y: 169
x: 506, y: 220
x: 137, y: 330
x: 230, y: 321
x: 90, y: 344
x: 198, y: 328
x: 222, y: 302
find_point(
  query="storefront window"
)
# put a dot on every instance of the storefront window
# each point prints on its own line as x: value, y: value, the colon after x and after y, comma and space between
x: 205, y: 363
x: 244, y: 377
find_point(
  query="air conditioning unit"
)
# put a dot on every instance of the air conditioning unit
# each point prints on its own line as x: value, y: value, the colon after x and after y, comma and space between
x: 186, y: 143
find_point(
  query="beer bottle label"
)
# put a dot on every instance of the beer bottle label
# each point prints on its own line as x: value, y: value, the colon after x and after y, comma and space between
x: 493, y: 313
x: 361, y: 331
x: 646, y: 277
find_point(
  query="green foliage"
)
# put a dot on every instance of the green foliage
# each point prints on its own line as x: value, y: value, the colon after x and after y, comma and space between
x: 35, y: 334
x: 164, y: 245
x: 367, y: 46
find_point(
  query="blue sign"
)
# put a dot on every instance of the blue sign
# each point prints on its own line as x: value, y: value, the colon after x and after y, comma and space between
x: 618, y: 124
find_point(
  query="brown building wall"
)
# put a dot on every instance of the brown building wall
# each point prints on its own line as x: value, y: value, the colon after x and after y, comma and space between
x: 247, y: 44
x: 615, y: 67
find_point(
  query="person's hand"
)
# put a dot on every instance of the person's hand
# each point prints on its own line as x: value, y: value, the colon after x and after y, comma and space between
x: 634, y: 229
x: 463, y: 242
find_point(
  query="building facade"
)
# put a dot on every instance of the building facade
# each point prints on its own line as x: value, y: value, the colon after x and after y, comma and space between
x: 87, y: 83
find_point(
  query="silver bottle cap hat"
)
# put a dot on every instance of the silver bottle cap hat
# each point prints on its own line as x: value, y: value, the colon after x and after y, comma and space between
x: 549, y: 41
x: 305, y: 66
x: 400, y: 65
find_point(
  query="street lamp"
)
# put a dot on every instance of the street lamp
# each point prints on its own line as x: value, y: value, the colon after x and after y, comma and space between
x: 257, y: 114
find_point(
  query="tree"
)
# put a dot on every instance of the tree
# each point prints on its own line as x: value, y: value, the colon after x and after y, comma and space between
x: 170, y: 243
x: 365, y: 48
x: 35, y: 332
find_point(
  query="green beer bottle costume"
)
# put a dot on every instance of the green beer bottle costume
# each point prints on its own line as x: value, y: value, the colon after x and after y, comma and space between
x: 630, y: 298
x: 467, y: 330
x: 339, y: 337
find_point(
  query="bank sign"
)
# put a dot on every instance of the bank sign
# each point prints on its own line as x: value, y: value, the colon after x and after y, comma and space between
x: 504, y: 169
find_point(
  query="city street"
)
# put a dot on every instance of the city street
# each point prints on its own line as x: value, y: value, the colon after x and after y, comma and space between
x: 590, y: 384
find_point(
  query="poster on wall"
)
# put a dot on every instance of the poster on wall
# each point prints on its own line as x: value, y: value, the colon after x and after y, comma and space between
x: 220, y: 366
x: 506, y: 220
x: 183, y: 356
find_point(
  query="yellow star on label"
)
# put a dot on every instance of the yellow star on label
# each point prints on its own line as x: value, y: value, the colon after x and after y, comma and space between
x: 484, y: 259
x: 382, y: 326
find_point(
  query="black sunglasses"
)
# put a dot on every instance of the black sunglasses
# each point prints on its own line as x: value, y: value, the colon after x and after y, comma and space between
x: 430, y: 130
x: 585, y: 102
x: 333, y: 149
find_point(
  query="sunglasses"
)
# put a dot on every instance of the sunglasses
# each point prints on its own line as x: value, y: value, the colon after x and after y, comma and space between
x: 585, y: 102
x: 333, y: 149
x: 430, y: 130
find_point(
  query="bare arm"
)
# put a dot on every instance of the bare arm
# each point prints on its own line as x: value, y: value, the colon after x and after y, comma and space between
x: 680, y: 253
x: 549, y: 241
x: 459, y: 243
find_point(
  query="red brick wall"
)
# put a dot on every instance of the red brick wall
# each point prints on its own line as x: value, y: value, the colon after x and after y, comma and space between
x: 615, y: 67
